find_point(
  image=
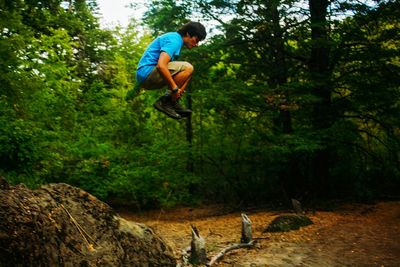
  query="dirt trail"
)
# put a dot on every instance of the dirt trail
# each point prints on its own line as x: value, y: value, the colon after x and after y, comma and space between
x: 352, y: 235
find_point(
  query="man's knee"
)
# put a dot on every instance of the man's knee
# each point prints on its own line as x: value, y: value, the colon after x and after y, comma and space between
x: 176, y: 67
x: 189, y: 67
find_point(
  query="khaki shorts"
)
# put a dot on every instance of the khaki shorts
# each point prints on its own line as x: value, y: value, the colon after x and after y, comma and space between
x: 156, y: 81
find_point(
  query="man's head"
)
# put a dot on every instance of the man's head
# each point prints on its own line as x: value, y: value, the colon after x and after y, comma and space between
x: 192, y: 33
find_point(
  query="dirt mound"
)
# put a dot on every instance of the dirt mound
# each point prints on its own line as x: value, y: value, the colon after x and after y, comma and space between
x: 60, y: 225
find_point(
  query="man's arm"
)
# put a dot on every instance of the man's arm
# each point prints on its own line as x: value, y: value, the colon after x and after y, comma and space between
x: 162, y: 67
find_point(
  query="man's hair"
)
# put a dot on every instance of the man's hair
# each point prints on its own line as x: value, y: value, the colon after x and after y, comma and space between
x: 193, y: 29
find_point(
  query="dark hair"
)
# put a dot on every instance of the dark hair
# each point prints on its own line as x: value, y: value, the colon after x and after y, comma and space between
x: 193, y: 29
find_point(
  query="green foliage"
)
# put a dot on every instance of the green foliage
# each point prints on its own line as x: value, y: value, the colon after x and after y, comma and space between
x: 256, y: 133
x: 156, y: 177
x: 166, y: 15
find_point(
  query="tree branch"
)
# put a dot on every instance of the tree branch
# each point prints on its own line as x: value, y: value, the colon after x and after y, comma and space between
x: 222, y: 253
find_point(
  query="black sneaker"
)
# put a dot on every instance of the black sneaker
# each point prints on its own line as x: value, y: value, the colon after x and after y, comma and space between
x: 164, y: 105
x: 184, y: 112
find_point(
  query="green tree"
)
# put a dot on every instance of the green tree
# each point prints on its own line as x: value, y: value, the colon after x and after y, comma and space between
x: 366, y: 98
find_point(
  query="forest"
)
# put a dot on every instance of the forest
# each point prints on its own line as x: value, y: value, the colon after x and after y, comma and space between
x: 290, y: 99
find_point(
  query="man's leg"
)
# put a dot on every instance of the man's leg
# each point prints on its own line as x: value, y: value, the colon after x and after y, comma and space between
x: 182, y: 79
x: 163, y: 104
x: 181, y: 73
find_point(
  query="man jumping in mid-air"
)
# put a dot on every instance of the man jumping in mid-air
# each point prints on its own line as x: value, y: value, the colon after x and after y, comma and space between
x: 157, y: 67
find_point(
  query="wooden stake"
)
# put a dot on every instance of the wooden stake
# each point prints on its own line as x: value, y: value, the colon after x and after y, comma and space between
x: 246, y: 240
x: 297, y: 206
x: 198, y: 253
x: 246, y: 229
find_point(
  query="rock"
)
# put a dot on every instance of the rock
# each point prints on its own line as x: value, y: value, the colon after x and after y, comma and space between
x: 288, y: 222
x: 61, y: 225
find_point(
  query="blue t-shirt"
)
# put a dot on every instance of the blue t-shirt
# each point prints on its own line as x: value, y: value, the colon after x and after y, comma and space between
x: 171, y: 43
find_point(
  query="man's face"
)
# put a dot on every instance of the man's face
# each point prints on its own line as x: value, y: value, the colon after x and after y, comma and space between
x: 191, y: 41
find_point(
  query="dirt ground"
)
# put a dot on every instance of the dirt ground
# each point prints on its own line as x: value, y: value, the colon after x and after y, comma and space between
x: 351, y: 235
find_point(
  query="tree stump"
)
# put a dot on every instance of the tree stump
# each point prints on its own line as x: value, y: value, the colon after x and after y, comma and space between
x: 246, y: 229
x: 198, y: 254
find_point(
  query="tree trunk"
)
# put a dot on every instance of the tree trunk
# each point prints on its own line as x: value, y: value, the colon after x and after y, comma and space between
x: 319, y: 78
x: 295, y: 181
x: 189, y: 134
x: 280, y: 76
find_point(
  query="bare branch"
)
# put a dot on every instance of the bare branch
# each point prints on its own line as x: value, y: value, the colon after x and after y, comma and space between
x: 221, y: 254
